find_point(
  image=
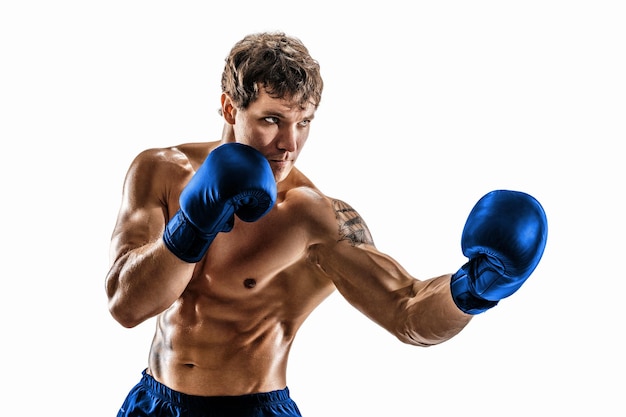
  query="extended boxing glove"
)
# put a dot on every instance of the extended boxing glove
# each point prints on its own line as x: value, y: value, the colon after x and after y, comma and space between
x: 504, y: 238
x: 233, y: 179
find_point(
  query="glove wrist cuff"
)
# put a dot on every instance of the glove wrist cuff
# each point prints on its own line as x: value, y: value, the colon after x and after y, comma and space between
x: 185, y: 240
x: 463, y: 296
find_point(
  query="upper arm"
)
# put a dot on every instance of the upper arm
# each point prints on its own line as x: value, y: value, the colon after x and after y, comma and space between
x: 346, y: 251
x: 149, y: 197
x: 370, y: 280
x: 349, y: 257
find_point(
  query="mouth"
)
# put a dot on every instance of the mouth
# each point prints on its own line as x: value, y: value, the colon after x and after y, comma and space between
x: 280, y: 163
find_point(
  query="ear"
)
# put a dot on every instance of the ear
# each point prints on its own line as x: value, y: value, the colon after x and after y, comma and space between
x: 228, y: 109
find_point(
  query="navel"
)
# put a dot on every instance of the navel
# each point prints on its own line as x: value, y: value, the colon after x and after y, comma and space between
x: 249, y: 283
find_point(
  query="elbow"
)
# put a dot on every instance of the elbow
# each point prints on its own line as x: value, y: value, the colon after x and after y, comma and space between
x: 124, y: 312
x: 126, y: 321
x: 413, y: 339
x: 124, y: 316
x: 410, y: 332
x: 424, y: 331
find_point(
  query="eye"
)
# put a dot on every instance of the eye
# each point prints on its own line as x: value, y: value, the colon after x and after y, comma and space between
x: 271, y: 119
x: 305, y: 123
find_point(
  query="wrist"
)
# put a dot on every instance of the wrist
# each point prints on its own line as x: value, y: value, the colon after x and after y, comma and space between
x: 463, y: 294
x: 185, y: 240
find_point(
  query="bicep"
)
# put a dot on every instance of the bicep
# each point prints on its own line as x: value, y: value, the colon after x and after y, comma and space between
x: 143, y: 211
x: 370, y: 280
x: 135, y: 228
x: 347, y: 255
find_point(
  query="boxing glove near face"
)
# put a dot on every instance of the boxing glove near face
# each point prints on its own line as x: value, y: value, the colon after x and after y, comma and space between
x: 504, y: 238
x: 234, y: 179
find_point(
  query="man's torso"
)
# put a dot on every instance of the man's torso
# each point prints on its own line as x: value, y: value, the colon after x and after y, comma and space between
x: 231, y: 330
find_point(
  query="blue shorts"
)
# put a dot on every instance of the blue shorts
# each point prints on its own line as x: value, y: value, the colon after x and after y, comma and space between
x: 151, y: 398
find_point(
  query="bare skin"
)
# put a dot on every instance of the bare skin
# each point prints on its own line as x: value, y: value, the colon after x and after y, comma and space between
x: 226, y: 324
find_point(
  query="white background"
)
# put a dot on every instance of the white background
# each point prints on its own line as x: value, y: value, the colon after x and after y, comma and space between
x: 427, y: 106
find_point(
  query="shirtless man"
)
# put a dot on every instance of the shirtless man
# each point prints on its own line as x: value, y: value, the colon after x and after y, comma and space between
x: 231, y: 247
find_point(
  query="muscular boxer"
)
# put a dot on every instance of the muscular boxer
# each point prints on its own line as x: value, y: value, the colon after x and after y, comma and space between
x: 231, y: 247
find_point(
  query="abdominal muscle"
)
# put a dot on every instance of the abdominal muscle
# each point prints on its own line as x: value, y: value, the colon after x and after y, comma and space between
x: 222, y: 350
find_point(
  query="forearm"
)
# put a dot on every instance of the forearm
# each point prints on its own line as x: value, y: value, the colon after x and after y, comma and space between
x: 144, y: 282
x: 421, y: 313
x: 427, y: 315
x: 416, y: 312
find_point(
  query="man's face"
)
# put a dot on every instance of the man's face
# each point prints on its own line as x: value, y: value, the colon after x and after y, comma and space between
x: 277, y: 128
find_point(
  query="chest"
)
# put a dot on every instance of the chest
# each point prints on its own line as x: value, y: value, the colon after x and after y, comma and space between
x: 253, y: 255
x: 259, y: 270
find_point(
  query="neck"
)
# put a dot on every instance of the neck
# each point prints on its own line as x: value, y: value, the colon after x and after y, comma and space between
x: 228, y: 134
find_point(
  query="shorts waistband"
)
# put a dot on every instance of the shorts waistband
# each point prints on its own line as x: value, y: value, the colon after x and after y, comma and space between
x: 226, y: 401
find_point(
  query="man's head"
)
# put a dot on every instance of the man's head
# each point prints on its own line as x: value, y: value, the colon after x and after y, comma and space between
x: 276, y: 62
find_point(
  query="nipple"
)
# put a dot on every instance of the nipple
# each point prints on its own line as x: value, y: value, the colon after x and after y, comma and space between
x: 249, y: 283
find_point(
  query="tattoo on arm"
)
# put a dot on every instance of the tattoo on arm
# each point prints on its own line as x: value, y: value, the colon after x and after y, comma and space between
x: 352, y: 227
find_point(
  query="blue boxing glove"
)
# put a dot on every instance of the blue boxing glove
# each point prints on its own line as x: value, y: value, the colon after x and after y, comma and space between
x: 504, y: 238
x: 233, y: 179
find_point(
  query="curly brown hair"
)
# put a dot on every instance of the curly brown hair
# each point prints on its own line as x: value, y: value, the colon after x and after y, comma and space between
x: 280, y: 63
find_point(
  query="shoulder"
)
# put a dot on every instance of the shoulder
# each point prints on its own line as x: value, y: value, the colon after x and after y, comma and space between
x: 186, y: 156
x: 330, y: 219
x: 174, y: 162
x: 157, y: 175
x: 352, y: 226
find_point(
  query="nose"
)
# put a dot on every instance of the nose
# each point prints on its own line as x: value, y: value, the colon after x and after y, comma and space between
x: 287, y: 139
